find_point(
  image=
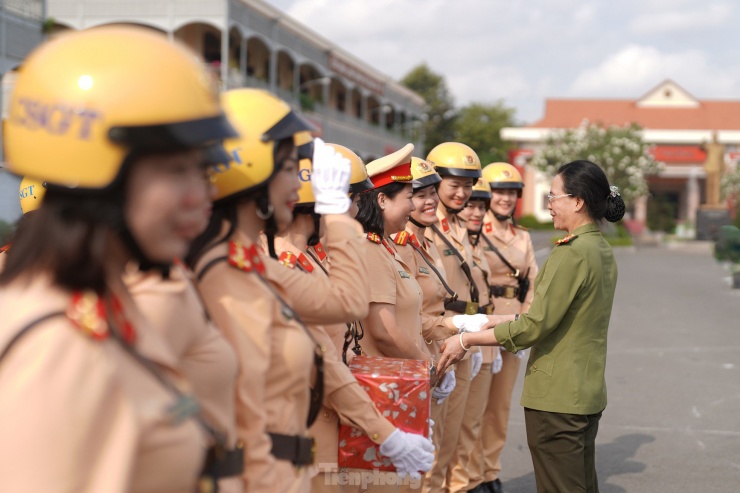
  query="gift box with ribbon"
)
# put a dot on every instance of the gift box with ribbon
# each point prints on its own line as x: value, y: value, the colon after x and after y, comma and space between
x: 401, y: 390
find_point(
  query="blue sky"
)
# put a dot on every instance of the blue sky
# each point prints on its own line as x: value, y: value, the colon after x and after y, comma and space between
x: 524, y: 52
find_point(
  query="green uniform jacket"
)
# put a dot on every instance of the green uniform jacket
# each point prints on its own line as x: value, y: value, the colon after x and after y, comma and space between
x: 566, y: 327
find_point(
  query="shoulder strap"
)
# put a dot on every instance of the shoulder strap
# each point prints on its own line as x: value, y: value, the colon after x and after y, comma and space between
x: 463, y: 264
x: 514, y: 270
x: 441, y: 278
x: 25, y: 330
x: 208, y: 266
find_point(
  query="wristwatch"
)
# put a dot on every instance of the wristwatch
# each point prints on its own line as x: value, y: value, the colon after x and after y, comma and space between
x: 516, y: 317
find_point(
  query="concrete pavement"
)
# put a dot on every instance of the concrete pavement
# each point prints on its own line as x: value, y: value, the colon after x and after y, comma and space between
x: 673, y: 377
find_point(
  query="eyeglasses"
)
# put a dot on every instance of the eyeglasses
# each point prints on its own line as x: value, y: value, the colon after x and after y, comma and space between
x: 551, y: 197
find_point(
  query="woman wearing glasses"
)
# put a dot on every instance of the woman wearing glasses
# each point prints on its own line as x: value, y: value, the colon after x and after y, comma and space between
x: 564, y: 387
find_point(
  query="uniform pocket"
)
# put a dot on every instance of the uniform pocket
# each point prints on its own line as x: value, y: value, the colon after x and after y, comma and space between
x: 538, y: 375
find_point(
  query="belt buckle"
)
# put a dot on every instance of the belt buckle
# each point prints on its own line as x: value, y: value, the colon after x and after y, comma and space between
x: 471, y: 308
x: 509, y: 292
x: 314, y: 449
x: 489, y: 310
x: 206, y: 484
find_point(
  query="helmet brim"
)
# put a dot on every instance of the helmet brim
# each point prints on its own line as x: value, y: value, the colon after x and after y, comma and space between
x: 362, y: 186
x: 506, y: 185
x: 462, y: 173
x: 287, y: 127
x: 427, y: 181
x: 480, y: 196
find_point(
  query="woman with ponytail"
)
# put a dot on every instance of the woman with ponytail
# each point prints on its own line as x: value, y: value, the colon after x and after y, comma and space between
x: 564, y: 386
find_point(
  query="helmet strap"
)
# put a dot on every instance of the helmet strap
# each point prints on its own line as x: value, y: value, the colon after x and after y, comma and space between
x: 474, y: 237
x: 501, y: 217
x: 416, y: 223
x: 314, y: 239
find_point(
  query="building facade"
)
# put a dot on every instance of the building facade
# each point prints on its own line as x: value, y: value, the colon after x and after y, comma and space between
x: 249, y: 43
x: 676, y: 124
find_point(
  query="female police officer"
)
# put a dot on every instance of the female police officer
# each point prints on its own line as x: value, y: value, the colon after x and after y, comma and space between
x: 566, y: 326
x: 119, y: 123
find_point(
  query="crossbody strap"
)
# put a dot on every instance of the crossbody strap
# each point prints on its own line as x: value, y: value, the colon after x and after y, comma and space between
x: 441, y: 278
x: 514, y: 270
x: 474, y: 294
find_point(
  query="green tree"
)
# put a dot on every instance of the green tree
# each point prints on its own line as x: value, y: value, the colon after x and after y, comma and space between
x: 6, y: 229
x: 440, y: 108
x: 620, y: 151
x: 478, y: 125
x: 730, y: 185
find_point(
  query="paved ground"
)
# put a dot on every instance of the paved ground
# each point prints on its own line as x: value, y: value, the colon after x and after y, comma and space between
x: 673, y: 376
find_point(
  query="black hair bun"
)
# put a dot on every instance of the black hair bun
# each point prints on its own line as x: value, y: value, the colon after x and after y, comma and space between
x: 614, y: 209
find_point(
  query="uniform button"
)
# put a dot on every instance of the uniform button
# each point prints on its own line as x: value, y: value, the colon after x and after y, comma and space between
x: 375, y: 436
x: 534, y: 367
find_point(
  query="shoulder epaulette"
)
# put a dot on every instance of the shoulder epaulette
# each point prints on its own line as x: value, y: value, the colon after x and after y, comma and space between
x: 414, y: 241
x: 246, y: 259
x: 288, y: 259
x: 87, y: 312
x: 445, y: 225
x: 320, y: 252
x: 567, y: 239
x: 305, y: 263
x: 375, y: 238
x: 401, y: 238
x: 488, y: 228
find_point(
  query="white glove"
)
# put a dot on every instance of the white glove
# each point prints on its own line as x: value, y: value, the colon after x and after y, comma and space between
x: 445, y: 387
x: 469, y: 323
x: 431, y: 427
x: 477, y: 360
x: 497, y: 364
x: 409, y: 452
x: 330, y: 179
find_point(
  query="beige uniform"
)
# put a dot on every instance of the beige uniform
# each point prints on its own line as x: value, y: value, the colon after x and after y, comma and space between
x: 344, y: 399
x: 173, y: 307
x: 433, y: 328
x: 454, y: 230
x: 80, y: 414
x: 275, y: 353
x: 516, y: 247
x: 478, y: 395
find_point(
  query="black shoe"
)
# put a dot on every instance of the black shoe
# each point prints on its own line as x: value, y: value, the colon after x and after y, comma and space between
x: 495, y: 486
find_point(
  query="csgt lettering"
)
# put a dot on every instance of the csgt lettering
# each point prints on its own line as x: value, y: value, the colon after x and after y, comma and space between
x: 304, y: 174
x: 54, y: 118
x: 26, y: 192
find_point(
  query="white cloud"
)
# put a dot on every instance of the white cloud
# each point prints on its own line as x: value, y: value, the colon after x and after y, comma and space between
x: 702, y: 18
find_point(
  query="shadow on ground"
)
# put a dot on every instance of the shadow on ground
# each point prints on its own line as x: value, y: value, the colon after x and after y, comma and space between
x: 612, y: 459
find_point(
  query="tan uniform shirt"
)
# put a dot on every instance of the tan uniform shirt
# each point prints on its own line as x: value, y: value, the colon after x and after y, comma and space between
x: 275, y: 353
x: 173, y: 307
x: 391, y: 282
x: 82, y: 415
x: 516, y: 247
x: 481, y: 274
x: 344, y: 399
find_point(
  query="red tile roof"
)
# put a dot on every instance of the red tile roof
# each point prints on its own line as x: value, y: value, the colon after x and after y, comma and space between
x: 709, y: 115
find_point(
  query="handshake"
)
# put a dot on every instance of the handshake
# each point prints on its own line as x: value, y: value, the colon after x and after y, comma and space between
x: 471, y: 323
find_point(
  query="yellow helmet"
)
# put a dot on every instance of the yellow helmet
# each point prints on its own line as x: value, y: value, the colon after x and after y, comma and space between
x: 85, y: 100
x: 359, y: 181
x: 423, y: 173
x: 455, y: 159
x: 31, y: 193
x: 481, y: 191
x: 305, y: 193
x: 502, y: 176
x: 262, y: 120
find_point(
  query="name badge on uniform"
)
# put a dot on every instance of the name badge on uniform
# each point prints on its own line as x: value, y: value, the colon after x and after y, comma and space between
x: 448, y: 253
x: 185, y: 407
x: 404, y: 274
x: 424, y: 270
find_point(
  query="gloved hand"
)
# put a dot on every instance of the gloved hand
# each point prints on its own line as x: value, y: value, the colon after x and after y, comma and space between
x: 409, y: 453
x: 469, y: 323
x: 497, y: 364
x: 477, y: 360
x: 445, y: 387
x: 330, y: 179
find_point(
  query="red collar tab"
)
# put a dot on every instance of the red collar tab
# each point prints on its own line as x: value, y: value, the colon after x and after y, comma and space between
x: 401, y: 238
x: 488, y: 228
x: 445, y: 225
x: 87, y: 312
x: 400, y: 173
x: 320, y: 252
x: 288, y: 259
x: 375, y: 238
x: 246, y: 259
x: 414, y: 242
x: 567, y: 239
x: 305, y: 263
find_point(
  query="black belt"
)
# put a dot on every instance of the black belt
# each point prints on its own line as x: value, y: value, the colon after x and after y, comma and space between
x: 467, y: 307
x: 299, y: 450
x: 504, y: 291
x: 222, y: 463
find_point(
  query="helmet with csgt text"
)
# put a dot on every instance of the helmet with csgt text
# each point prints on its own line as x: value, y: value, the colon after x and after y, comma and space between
x: 31, y: 193
x: 423, y: 173
x: 263, y: 120
x: 455, y: 159
x: 503, y: 176
x: 87, y: 101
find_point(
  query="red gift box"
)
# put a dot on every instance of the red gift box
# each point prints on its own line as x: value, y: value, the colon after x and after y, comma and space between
x: 401, y: 390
